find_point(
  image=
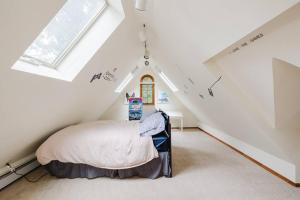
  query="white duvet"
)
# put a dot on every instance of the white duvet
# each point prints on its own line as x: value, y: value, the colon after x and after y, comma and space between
x: 102, y: 144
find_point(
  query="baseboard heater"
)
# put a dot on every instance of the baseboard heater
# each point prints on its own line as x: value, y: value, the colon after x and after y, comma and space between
x: 23, y: 166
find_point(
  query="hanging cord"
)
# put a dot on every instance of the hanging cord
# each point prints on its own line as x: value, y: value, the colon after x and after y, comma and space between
x: 13, y: 170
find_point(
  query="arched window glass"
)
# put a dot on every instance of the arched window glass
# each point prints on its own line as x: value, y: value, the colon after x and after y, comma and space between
x: 147, y: 89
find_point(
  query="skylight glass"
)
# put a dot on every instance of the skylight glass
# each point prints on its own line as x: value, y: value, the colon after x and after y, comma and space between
x: 63, y: 31
x: 168, y: 82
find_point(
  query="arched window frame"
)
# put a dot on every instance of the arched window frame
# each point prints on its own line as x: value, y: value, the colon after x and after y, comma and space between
x: 153, y: 88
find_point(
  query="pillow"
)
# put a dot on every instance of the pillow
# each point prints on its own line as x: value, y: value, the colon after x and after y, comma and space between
x: 152, y: 125
x: 147, y: 114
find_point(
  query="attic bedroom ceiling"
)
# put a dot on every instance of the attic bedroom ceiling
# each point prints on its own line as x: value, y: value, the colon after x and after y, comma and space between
x: 204, y: 28
x: 183, y: 36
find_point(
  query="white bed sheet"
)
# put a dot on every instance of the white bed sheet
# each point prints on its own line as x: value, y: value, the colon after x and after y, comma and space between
x: 103, y: 144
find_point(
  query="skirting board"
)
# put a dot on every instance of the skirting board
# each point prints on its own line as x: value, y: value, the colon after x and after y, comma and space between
x: 185, y: 128
x: 276, y: 166
x: 25, y: 169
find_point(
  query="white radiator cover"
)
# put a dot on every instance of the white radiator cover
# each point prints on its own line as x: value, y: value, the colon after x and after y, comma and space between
x: 24, y: 165
x: 4, y: 170
x: 26, y: 168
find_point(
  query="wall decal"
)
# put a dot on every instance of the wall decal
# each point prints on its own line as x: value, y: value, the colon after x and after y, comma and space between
x: 191, y: 81
x: 188, y: 82
x: 246, y: 43
x: 212, y: 85
x: 163, y: 97
x: 108, y: 76
x: 235, y: 49
x: 96, y: 76
x: 256, y: 37
x: 202, y: 96
x: 129, y: 94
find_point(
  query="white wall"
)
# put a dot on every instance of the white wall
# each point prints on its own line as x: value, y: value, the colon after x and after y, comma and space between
x: 267, y: 85
x: 287, y: 97
x: 120, y: 111
x: 254, y: 62
x: 243, y: 106
x: 31, y: 106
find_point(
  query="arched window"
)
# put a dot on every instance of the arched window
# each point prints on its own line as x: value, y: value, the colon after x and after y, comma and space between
x: 147, y: 89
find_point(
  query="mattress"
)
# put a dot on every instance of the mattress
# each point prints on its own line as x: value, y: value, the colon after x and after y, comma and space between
x: 104, y: 144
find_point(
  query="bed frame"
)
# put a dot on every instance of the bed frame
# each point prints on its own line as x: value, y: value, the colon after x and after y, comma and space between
x: 161, y: 166
x: 166, y: 146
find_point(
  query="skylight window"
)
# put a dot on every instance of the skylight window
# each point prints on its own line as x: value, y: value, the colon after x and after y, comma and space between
x: 127, y: 79
x: 63, y: 32
x: 168, y: 82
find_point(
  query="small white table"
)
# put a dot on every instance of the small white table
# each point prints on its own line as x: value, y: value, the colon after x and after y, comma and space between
x: 178, y: 116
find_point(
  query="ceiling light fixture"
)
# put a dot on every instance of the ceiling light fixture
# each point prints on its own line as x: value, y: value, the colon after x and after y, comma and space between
x: 146, y: 53
x: 143, y: 38
x: 142, y: 34
x: 141, y: 5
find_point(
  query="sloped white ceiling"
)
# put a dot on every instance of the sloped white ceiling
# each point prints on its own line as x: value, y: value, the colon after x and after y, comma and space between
x: 21, y: 22
x: 198, y: 29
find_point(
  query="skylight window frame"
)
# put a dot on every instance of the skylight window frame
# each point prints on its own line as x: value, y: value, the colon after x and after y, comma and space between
x: 124, y: 83
x: 168, y: 82
x: 68, y: 49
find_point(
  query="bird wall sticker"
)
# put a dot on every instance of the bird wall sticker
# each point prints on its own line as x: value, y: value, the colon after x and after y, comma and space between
x: 96, y: 76
x: 129, y: 96
x: 107, y: 76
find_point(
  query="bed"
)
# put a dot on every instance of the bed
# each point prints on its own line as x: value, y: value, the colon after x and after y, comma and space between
x: 89, y: 154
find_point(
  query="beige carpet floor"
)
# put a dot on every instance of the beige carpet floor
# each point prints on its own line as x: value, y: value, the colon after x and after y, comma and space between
x: 203, y: 169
